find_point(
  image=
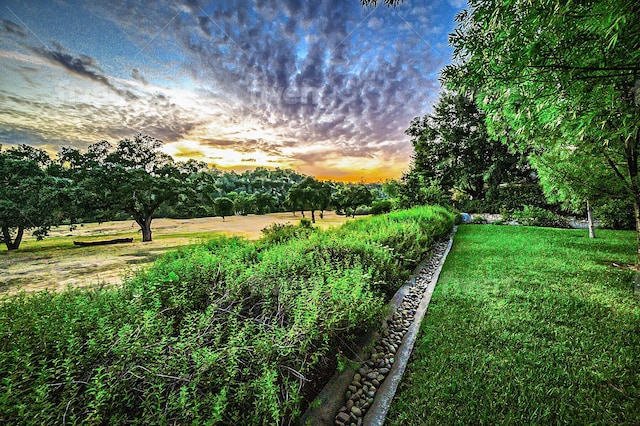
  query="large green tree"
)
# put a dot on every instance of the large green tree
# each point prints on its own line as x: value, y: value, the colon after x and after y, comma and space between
x: 136, y: 178
x: 29, y: 195
x: 453, y: 150
x: 557, y: 76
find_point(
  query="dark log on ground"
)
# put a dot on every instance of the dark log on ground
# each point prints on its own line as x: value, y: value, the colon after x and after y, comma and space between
x: 102, y: 243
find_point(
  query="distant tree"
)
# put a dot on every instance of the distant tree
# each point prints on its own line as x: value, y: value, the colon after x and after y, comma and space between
x: 136, y: 178
x: 29, y: 195
x: 310, y: 194
x: 350, y: 197
x: 391, y: 187
x: 264, y: 202
x: 244, y: 203
x: 223, y: 206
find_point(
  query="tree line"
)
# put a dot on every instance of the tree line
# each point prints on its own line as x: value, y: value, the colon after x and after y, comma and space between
x: 558, y: 85
x: 136, y: 180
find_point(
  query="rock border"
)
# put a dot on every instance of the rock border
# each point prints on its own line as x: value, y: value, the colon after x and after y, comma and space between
x: 363, y: 397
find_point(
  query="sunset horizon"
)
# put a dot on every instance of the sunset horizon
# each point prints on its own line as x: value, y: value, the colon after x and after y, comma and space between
x: 325, y: 89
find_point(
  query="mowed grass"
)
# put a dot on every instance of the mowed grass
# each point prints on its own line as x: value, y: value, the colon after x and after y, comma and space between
x: 528, y: 326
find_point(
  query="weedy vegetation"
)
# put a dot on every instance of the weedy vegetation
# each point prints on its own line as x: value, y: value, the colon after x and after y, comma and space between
x: 229, y: 332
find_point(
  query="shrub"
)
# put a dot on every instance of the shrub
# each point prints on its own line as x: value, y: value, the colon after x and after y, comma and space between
x: 227, y: 332
x: 616, y: 214
x: 536, y: 216
x: 277, y: 233
x: 381, y: 206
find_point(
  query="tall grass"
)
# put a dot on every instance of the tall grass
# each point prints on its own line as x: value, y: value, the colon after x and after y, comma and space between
x: 228, y: 332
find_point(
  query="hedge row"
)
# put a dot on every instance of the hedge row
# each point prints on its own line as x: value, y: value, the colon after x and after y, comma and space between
x: 229, y: 332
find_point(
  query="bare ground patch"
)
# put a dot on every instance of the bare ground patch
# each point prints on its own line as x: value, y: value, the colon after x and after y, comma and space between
x: 55, y: 263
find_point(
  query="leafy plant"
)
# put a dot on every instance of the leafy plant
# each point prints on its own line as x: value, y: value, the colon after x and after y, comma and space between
x: 226, y: 332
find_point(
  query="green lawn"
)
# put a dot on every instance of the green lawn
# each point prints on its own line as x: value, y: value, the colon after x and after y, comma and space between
x: 528, y: 326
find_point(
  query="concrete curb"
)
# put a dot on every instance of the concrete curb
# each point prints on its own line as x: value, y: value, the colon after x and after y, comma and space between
x: 378, y: 411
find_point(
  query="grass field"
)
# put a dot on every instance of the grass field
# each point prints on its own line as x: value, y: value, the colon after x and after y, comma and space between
x: 55, y: 263
x: 528, y: 326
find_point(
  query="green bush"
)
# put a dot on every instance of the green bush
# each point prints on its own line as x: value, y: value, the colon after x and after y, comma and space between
x: 381, y: 206
x: 281, y: 232
x: 508, y: 198
x: 536, y: 216
x: 616, y: 214
x: 228, y: 332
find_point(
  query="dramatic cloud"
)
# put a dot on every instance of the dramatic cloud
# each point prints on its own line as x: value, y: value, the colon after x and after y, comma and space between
x: 311, y: 85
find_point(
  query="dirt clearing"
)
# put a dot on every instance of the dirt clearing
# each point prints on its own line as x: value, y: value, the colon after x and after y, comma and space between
x: 55, y: 263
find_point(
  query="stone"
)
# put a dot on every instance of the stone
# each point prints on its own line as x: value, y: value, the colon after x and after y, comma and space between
x: 384, y: 370
x: 375, y: 382
x: 357, y: 377
x: 372, y: 375
x: 356, y: 411
x: 343, y: 417
x: 380, y: 378
x: 356, y: 384
x: 353, y: 389
x: 349, y: 404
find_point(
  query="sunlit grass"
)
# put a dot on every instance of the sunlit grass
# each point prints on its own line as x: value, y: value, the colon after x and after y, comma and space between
x: 528, y: 326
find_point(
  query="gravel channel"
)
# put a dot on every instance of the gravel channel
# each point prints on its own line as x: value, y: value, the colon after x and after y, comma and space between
x: 368, y: 387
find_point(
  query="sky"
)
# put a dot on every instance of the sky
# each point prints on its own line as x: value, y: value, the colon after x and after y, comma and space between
x: 325, y: 87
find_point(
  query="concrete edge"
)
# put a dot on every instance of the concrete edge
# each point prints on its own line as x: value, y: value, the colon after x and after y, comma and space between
x: 377, y: 413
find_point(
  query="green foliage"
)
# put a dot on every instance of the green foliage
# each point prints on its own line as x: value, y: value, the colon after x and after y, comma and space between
x: 223, y: 206
x: 616, y: 214
x: 349, y: 197
x: 31, y: 196
x: 508, y: 198
x: 135, y: 178
x: 454, y: 151
x: 527, y: 326
x: 536, y: 216
x: 227, y: 332
x: 548, y: 91
x: 381, y: 206
x: 310, y: 194
x: 277, y: 233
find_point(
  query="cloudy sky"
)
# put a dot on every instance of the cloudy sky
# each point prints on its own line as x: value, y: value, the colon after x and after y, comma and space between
x: 326, y: 87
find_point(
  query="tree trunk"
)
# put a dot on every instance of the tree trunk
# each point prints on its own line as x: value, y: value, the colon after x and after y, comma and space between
x: 636, y: 210
x: 313, y: 216
x: 592, y: 230
x: 321, y: 214
x: 302, y: 211
x: 6, y: 236
x: 145, y: 226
